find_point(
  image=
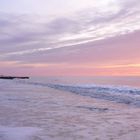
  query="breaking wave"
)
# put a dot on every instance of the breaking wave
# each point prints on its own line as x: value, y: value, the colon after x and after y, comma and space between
x: 119, y: 94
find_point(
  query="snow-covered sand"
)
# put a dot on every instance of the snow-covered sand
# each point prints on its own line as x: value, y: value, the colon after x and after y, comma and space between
x: 29, y: 112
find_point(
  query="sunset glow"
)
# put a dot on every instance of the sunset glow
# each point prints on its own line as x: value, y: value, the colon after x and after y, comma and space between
x: 77, y: 37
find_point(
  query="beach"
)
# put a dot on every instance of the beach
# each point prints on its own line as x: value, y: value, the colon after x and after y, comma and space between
x: 29, y: 112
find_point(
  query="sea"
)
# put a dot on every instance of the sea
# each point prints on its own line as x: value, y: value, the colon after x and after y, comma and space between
x: 118, y: 89
x: 132, y: 81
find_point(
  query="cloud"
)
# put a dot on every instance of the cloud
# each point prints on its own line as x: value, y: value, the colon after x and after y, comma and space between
x: 33, y: 38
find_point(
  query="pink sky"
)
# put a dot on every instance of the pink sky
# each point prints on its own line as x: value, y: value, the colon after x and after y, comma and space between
x: 92, y: 38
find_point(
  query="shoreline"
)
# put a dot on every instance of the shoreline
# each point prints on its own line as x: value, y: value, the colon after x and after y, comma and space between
x: 61, y: 115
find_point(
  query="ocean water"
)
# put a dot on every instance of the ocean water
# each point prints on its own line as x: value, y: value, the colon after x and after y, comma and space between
x: 118, y: 89
x: 133, y: 81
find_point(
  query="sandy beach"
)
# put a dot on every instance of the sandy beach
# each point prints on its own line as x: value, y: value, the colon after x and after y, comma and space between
x: 41, y: 113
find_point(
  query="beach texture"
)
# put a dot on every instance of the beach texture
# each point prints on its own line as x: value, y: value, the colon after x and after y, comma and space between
x: 29, y: 112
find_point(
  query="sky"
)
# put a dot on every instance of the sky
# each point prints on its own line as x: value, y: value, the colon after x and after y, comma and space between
x: 70, y: 37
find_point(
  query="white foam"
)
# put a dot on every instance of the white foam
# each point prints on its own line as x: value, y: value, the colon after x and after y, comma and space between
x: 120, y: 94
x: 102, y: 88
x: 17, y: 133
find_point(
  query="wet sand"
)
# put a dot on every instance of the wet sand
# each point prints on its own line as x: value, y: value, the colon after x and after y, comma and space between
x: 51, y: 114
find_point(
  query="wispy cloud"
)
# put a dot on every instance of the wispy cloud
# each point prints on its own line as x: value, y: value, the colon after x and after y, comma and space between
x: 63, y: 37
x: 20, y: 33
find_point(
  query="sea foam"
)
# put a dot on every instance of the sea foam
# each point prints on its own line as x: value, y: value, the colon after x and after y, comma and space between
x: 120, y: 94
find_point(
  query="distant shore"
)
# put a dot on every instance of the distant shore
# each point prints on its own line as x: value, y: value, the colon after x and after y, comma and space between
x: 13, y: 77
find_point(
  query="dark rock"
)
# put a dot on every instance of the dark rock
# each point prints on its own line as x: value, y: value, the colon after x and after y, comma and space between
x: 12, y: 77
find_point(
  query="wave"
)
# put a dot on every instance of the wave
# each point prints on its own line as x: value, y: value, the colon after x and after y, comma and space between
x: 119, y: 94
